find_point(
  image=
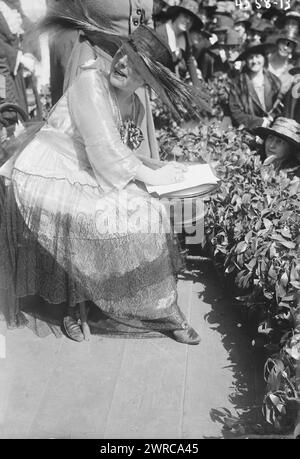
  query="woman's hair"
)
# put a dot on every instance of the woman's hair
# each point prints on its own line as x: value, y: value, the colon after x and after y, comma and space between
x: 174, y: 15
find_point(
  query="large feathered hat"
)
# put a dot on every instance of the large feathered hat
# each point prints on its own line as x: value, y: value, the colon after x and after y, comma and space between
x: 148, y: 53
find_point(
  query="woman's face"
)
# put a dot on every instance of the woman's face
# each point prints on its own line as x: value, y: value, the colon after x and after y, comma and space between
x: 232, y: 53
x: 274, y: 145
x: 183, y: 22
x: 292, y: 25
x: 285, y: 47
x: 123, y: 76
x: 255, y: 62
x: 241, y: 30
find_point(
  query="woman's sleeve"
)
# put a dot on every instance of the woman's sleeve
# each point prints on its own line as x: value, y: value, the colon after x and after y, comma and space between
x: 113, y: 163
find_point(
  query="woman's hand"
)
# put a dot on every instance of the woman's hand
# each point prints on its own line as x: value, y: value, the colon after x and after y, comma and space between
x: 169, y: 174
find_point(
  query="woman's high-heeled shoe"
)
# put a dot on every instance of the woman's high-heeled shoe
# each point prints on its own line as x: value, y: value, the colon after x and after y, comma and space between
x: 185, y: 335
x: 73, y: 329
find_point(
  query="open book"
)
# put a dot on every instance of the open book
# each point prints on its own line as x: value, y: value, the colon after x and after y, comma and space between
x: 199, y: 179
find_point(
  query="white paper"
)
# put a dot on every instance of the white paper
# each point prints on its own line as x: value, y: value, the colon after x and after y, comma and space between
x: 196, y: 175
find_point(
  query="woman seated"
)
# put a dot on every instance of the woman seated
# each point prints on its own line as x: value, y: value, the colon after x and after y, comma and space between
x: 255, y: 94
x: 281, y: 143
x: 84, y: 228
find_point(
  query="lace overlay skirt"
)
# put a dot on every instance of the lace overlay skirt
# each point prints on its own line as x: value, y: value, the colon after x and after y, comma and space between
x: 66, y: 242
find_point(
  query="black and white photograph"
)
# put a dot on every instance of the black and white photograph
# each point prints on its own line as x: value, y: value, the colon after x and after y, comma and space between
x: 149, y: 222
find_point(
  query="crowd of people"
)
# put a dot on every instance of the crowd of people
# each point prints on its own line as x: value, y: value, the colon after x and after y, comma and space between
x: 97, y: 150
x: 256, y: 46
x: 20, y: 54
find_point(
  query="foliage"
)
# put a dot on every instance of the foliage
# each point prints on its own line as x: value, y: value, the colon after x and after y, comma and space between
x: 253, y: 234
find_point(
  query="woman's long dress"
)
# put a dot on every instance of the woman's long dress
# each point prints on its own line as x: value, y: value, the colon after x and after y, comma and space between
x: 77, y: 227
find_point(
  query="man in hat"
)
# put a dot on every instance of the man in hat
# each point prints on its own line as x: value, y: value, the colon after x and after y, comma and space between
x: 224, y: 53
x: 221, y: 23
x: 241, y: 25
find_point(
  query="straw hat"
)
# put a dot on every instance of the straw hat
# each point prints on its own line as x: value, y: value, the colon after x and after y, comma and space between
x: 285, y: 128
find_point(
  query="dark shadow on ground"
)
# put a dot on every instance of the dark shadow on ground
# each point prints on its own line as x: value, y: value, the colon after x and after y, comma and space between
x: 246, y: 363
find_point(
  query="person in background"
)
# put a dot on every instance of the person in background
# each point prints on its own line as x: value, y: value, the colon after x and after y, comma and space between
x: 291, y: 22
x: 200, y: 42
x: 213, y: 56
x: 280, y: 61
x: 13, y: 61
x: 241, y: 25
x: 259, y: 30
x: 175, y: 32
x: 281, y: 143
x: 255, y: 93
x: 159, y: 12
x: 274, y: 15
x: 291, y: 102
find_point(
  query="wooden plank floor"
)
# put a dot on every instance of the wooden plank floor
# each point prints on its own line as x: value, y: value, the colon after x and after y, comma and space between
x: 124, y: 388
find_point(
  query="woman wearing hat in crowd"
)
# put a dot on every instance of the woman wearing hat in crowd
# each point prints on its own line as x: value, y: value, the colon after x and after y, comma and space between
x: 281, y: 143
x: 175, y: 31
x: 255, y: 94
x: 259, y: 29
x: 85, y: 228
x: 291, y: 21
x: 280, y: 61
x: 291, y: 102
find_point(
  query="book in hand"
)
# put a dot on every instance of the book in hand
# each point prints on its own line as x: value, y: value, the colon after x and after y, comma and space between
x: 199, y: 180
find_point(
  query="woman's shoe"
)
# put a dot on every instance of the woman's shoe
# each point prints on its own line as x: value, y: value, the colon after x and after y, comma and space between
x: 186, y: 336
x: 73, y: 329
